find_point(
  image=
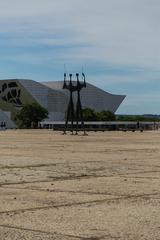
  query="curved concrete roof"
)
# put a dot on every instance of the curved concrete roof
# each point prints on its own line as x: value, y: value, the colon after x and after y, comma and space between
x: 92, y: 96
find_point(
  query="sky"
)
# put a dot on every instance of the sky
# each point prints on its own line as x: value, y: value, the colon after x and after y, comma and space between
x: 115, y: 42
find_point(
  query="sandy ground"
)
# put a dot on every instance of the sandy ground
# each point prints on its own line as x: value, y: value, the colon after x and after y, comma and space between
x: 96, y: 187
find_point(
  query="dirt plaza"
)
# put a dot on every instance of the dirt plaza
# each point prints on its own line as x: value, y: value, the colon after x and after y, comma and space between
x: 102, y: 186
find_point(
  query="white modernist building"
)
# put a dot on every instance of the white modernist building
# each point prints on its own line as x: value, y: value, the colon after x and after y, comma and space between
x: 14, y: 93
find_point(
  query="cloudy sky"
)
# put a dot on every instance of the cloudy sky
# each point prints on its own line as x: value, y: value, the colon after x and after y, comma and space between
x: 116, y: 41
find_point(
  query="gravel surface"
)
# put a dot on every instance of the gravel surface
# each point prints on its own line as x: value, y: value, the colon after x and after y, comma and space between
x: 102, y: 186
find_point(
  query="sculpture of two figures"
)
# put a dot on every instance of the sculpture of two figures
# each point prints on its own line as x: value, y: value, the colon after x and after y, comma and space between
x: 73, y: 114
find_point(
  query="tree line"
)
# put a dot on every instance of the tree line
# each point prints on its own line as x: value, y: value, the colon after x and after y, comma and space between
x: 91, y: 115
x: 31, y: 114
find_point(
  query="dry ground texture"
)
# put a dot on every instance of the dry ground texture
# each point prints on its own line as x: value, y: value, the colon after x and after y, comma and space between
x: 63, y: 187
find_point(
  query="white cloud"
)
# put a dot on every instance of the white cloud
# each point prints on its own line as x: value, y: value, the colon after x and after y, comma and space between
x: 123, y: 34
x: 118, y: 32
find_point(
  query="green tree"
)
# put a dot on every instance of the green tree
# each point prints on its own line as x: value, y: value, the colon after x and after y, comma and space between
x: 89, y: 114
x: 136, y: 118
x: 105, y: 116
x: 30, y: 115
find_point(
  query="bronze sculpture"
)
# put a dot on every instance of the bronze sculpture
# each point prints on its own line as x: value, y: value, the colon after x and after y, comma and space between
x: 71, y: 114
